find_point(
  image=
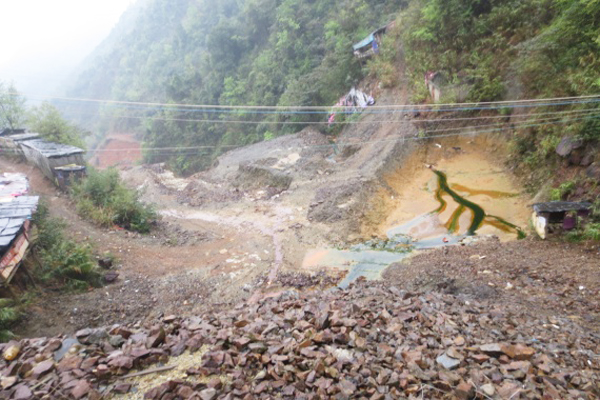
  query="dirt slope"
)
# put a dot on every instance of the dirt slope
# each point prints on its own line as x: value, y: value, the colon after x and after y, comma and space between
x: 189, y: 266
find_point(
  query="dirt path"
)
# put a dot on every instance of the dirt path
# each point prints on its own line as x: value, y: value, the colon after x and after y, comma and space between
x: 184, y: 266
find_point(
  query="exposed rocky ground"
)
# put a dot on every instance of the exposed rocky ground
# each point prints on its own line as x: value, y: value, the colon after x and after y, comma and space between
x: 371, y: 341
x: 547, y: 277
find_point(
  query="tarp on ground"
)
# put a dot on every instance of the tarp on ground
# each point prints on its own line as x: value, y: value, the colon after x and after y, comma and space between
x: 355, y: 101
x: 12, y: 185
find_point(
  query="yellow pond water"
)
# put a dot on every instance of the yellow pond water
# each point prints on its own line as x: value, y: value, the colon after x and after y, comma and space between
x: 421, y: 215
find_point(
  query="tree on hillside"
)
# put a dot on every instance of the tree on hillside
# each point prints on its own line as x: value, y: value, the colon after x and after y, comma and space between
x: 48, y: 121
x: 12, y: 107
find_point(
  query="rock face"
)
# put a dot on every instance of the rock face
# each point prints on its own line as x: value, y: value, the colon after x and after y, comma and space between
x: 593, y: 171
x: 369, y: 341
x: 567, y: 145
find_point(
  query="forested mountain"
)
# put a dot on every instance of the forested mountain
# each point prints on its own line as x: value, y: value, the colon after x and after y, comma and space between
x: 290, y: 52
x: 229, y: 52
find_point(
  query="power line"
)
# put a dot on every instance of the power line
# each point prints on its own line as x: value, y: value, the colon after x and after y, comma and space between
x: 307, y: 110
x: 525, y: 124
x: 391, y: 109
x: 253, y: 107
x: 397, y: 138
x: 226, y: 121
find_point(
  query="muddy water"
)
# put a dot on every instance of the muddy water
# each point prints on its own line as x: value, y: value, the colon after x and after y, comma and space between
x: 443, y: 196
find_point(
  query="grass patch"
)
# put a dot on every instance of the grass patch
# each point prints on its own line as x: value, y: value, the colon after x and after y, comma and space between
x: 590, y: 232
x: 560, y: 193
x: 63, y: 262
x: 103, y: 198
x: 8, y: 316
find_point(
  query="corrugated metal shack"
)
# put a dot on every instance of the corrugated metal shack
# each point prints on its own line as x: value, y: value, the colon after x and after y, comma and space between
x: 16, y: 211
x: 11, y: 144
x: 8, y: 131
x: 68, y: 174
x: 49, y: 155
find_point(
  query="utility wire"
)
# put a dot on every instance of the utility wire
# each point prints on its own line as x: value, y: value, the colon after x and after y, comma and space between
x: 389, y: 109
x: 396, y: 138
x: 252, y: 107
x: 472, y: 132
x: 416, y: 120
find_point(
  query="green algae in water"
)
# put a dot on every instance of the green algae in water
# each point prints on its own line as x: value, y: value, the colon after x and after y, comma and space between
x: 399, y: 244
x: 479, y: 215
x: 372, y: 257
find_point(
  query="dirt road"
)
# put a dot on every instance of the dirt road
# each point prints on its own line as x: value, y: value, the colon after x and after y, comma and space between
x: 184, y: 266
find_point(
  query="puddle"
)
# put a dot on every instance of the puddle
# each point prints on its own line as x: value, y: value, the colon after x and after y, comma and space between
x: 361, y: 260
x: 457, y: 200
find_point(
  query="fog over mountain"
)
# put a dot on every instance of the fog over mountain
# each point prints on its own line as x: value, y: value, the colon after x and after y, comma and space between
x: 44, y: 41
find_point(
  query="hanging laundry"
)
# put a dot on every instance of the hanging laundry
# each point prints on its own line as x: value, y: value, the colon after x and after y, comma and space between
x: 355, y: 101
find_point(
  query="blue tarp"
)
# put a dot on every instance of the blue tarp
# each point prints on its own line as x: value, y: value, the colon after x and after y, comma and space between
x: 365, y: 42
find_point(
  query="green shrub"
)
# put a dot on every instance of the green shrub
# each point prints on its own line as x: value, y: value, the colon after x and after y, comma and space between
x: 62, y: 260
x: 562, y: 191
x: 8, y: 315
x: 268, y: 135
x: 103, y: 198
x: 596, y: 210
x: 592, y: 232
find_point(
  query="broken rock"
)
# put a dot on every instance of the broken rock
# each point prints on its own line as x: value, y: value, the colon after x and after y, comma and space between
x: 447, y: 362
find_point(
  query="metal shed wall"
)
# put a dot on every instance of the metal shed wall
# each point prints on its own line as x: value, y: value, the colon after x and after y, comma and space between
x: 47, y: 164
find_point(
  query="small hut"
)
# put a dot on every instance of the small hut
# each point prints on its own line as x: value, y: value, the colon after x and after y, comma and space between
x: 559, y: 215
x: 369, y: 46
x: 66, y: 175
x: 12, y: 143
x: 8, y: 131
x: 49, y: 155
x: 434, y: 82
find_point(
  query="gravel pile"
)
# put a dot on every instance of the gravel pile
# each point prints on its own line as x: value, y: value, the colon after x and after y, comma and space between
x: 370, y: 341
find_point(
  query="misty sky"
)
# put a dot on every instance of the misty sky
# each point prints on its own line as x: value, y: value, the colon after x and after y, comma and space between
x: 44, y: 40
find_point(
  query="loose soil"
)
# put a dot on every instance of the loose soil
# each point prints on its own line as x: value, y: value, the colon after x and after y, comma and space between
x: 117, y: 150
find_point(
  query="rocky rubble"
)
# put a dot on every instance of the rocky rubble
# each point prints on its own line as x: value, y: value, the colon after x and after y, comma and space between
x: 369, y: 341
x: 299, y: 280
